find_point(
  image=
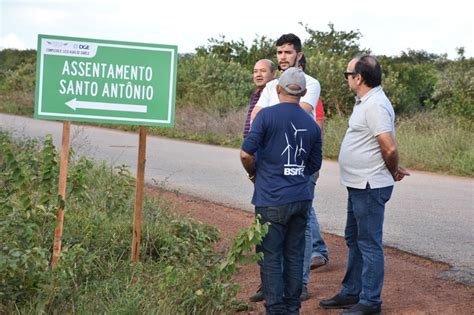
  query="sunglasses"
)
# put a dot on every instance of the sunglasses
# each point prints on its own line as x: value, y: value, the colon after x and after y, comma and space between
x: 347, y: 74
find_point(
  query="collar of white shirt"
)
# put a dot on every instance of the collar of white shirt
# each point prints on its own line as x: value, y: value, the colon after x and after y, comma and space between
x: 367, y: 95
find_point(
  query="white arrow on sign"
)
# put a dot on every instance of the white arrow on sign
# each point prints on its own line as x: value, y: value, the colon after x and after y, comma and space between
x: 75, y: 104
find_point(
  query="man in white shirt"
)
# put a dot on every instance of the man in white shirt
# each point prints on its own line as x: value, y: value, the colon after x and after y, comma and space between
x: 288, y: 54
x: 368, y: 163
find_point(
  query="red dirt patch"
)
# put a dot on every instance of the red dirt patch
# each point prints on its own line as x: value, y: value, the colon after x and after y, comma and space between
x: 412, y: 284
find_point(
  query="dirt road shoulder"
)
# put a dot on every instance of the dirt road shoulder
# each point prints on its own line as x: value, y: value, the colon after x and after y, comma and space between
x: 412, y: 284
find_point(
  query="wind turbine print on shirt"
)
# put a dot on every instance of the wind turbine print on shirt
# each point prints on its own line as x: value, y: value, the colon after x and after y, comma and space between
x: 296, y: 129
x: 288, y: 150
x: 292, y: 167
x: 299, y: 150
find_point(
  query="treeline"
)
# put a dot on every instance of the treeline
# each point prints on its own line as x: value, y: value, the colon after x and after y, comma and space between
x: 217, y: 77
x: 218, y: 74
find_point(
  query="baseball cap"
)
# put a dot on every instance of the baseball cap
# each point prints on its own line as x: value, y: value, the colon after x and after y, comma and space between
x: 291, y: 78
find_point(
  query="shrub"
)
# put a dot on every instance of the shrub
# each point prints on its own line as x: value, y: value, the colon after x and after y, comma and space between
x: 179, y: 273
x: 237, y: 51
x: 454, y: 91
x: 213, y: 84
x: 21, y: 79
x: 335, y: 93
x: 409, y: 87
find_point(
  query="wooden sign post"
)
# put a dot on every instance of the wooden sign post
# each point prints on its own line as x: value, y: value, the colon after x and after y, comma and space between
x: 58, y: 232
x: 137, y: 218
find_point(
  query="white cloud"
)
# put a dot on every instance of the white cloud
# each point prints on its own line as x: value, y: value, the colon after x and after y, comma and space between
x: 11, y: 40
x: 45, y: 17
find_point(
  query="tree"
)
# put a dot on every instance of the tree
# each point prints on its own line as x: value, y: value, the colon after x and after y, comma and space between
x: 340, y: 43
x: 328, y: 69
x: 413, y: 56
x: 237, y: 51
x: 224, y: 50
x: 212, y: 84
x: 454, y: 91
x: 11, y: 60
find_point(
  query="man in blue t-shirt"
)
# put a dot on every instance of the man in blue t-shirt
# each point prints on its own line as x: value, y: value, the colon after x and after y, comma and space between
x: 279, y: 154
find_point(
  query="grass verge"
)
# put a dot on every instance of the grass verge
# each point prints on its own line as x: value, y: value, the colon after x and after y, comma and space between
x: 179, y: 272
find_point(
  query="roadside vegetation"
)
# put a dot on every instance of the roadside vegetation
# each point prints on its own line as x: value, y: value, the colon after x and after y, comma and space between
x: 181, y: 271
x: 433, y: 96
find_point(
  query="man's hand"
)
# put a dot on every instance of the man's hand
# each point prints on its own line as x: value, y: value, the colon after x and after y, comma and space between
x: 400, y: 173
x: 251, y: 177
x: 248, y: 162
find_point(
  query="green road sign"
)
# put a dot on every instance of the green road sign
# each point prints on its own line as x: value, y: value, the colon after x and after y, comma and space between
x: 105, y: 81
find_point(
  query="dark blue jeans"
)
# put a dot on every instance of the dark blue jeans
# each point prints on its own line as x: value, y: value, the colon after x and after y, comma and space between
x: 315, y: 245
x: 284, y: 244
x: 363, y: 234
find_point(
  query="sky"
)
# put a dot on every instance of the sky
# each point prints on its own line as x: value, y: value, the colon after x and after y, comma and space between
x: 387, y: 27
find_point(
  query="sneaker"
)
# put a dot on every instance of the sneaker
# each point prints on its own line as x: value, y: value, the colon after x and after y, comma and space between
x: 317, y: 262
x: 362, y: 309
x: 257, y: 296
x: 340, y: 301
x: 304, y: 294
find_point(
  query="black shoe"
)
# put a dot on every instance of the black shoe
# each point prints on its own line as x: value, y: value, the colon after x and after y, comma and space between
x: 304, y: 294
x: 257, y: 296
x: 362, y: 309
x: 340, y: 301
x: 317, y: 262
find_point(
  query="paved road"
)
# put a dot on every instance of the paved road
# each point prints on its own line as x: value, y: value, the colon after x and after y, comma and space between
x: 429, y: 215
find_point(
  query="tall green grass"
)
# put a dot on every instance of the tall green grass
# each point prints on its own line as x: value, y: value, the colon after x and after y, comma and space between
x: 427, y: 141
x: 334, y: 130
x: 433, y: 142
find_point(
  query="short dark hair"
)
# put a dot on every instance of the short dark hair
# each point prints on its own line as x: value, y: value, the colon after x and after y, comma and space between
x: 290, y: 39
x: 302, y: 63
x: 369, y: 68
